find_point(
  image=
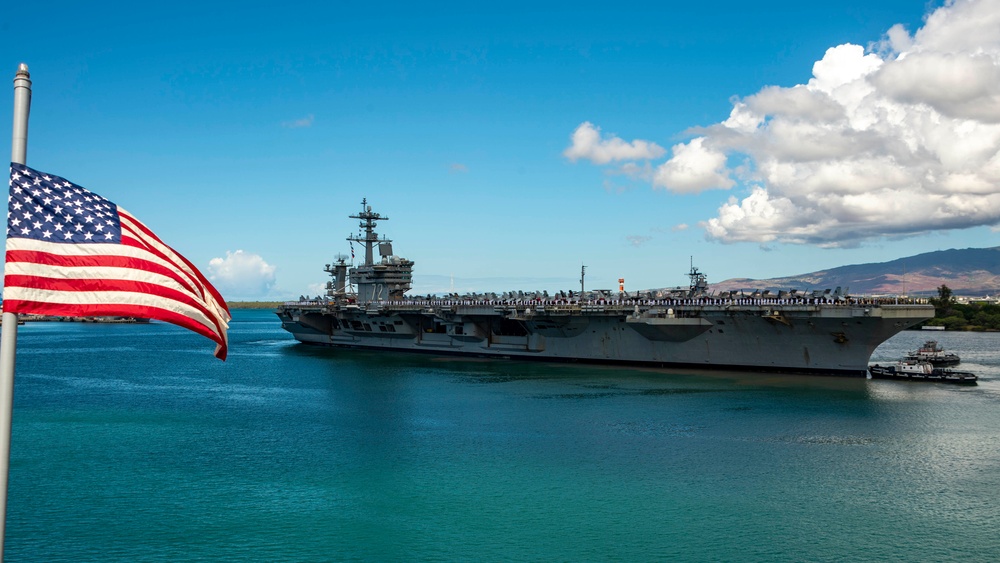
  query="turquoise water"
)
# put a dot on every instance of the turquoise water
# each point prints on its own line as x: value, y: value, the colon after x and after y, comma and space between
x: 132, y: 443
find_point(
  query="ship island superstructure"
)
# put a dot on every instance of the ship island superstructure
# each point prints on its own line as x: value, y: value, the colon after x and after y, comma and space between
x: 367, y: 307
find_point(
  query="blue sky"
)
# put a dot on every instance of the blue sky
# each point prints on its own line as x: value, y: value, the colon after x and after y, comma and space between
x: 245, y: 137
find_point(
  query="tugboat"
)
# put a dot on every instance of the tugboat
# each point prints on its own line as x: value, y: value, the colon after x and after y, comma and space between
x: 922, y: 371
x: 933, y: 354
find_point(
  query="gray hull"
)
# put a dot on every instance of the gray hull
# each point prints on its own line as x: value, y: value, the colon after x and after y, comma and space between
x: 802, y: 338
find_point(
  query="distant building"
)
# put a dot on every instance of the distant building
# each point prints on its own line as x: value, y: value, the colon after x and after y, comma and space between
x: 985, y: 300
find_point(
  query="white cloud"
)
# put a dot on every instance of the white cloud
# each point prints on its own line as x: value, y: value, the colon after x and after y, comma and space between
x: 694, y: 167
x: 587, y: 144
x: 241, y: 275
x: 306, y: 121
x: 842, y: 66
x: 799, y: 101
x: 901, y: 140
x: 638, y: 240
x: 896, y: 40
x: 963, y: 86
x: 961, y: 26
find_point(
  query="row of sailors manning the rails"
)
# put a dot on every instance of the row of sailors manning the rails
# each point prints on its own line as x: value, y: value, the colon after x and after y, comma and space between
x: 621, y: 300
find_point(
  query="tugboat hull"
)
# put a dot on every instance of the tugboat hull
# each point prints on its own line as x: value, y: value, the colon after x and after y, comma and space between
x: 922, y: 371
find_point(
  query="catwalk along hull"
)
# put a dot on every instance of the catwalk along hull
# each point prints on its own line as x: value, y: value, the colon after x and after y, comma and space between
x: 818, y: 332
x: 803, y: 338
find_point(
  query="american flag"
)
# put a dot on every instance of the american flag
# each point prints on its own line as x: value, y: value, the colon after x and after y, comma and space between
x: 70, y: 252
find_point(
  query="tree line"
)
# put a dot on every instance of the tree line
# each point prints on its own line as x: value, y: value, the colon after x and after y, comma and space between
x: 963, y: 316
x: 253, y: 304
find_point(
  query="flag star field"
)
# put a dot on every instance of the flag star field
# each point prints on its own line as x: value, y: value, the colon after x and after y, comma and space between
x: 51, y: 208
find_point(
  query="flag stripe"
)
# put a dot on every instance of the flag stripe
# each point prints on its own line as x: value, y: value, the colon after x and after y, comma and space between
x: 135, y: 235
x: 68, y: 301
x: 44, y: 254
x: 153, y: 243
x: 143, y: 233
x: 93, y: 267
x: 123, y: 310
x: 81, y: 252
x: 93, y: 291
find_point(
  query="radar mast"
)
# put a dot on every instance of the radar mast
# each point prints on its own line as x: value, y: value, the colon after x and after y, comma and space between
x: 368, y: 219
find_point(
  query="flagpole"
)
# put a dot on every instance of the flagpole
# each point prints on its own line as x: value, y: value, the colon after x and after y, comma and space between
x: 8, y: 335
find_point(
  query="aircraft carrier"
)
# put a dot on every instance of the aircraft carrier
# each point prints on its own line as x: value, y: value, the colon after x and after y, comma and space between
x: 824, y: 332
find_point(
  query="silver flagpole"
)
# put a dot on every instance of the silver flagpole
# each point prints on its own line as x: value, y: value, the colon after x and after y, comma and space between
x: 8, y: 338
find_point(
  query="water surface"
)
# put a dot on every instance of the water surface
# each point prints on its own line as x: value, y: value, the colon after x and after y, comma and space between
x: 132, y: 443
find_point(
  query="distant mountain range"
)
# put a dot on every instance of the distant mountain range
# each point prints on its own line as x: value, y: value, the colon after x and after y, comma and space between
x: 970, y: 271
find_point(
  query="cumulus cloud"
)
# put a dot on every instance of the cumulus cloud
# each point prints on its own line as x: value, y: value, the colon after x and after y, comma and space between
x: 587, y: 144
x: 956, y: 85
x: 695, y: 167
x: 896, y: 140
x: 891, y: 144
x: 241, y: 275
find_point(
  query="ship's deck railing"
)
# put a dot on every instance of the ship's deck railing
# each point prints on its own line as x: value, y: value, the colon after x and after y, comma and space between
x: 596, y: 305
